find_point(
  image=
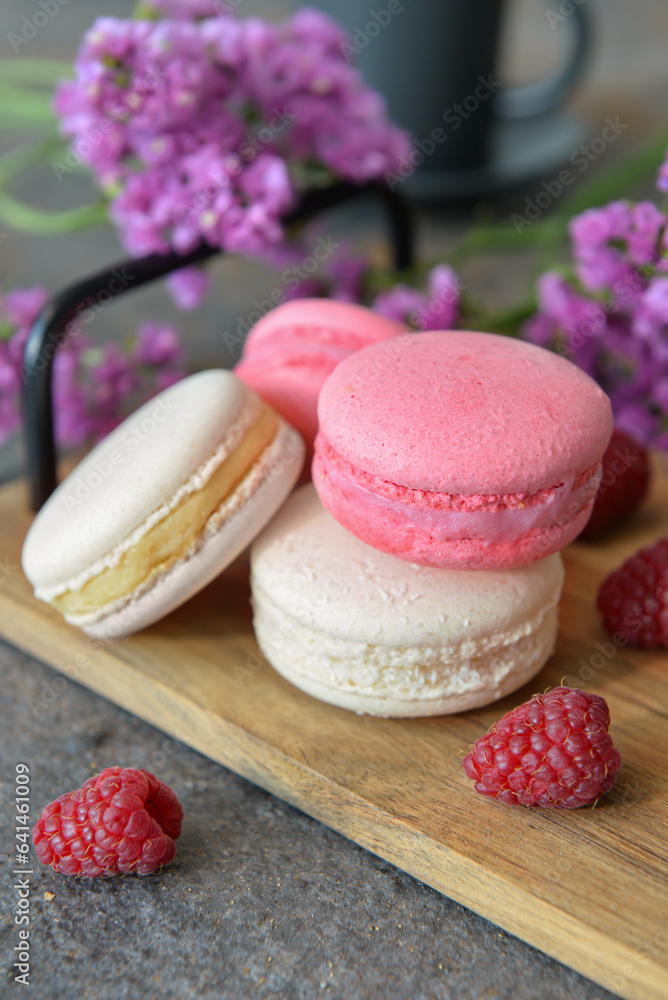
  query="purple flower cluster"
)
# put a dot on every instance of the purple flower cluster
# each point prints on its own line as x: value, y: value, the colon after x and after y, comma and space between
x: 197, y: 125
x: 610, y: 316
x: 94, y: 385
x: 436, y: 309
x: 346, y: 276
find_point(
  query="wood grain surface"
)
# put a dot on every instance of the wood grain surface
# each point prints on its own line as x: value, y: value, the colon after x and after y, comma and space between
x: 589, y: 887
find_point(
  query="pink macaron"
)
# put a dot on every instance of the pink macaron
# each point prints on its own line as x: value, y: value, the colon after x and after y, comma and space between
x: 461, y: 449
x: 291, y: 351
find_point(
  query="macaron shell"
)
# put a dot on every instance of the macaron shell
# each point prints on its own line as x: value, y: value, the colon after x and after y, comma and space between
x: 133, y: 471
x: 464, y: 413
x: 372, y: 633
x: 384, y: 705
x: 291, y: 351
x: 229, y: 531
x: 294, y: 395
x: 323, y: 322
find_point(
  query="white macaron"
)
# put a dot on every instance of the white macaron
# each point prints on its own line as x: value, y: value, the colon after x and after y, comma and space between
x: 369, y: 632
x: 162, y: 505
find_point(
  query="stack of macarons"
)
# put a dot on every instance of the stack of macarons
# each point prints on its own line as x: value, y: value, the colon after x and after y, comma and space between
x: 420, y: 573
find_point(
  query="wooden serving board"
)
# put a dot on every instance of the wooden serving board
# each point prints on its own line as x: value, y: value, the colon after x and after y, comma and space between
x: 589, y: 887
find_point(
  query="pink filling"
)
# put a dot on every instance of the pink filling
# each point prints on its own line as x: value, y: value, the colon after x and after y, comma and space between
x: 548, y: 508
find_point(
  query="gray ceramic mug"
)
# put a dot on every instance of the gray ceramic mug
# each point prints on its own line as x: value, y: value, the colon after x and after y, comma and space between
x: 434, y: 61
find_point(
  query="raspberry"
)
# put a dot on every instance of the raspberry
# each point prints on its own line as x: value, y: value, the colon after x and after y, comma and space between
x: 553, y: 751
x: 634, y: 598
x: 122, y: 820
x: 624, y: 482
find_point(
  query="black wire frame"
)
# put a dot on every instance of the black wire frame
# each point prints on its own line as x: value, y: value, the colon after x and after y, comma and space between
x: 50, y: 328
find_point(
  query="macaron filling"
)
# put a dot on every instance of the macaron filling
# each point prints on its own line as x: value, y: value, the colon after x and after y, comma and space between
x: 493, y: 517
x: 169, y: 533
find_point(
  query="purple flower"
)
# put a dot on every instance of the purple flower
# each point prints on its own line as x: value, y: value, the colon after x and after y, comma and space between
x: 437, y: 309
x: 650, y: 319
x: 306, y: 288
x: 186, y: 10
x: 114, y: 378
x: 74, y: 423
x: 347, y: 273
x: 441, y: 311
x: 614, y: 245
x: 189, y: 122
x: 94, y: 386
x: 188, y: 287
x: 311, y: 26
x: 541, y: 329
x: 637, y: 421
x: 18, y: 311
x: 22, y: 306
x: 662, y: 179
x: 597, y: 226
x: 400, y: 303
x: 10, y: 387
x: 645, y: 233
x: 158, y: 346
x: 613, y: 323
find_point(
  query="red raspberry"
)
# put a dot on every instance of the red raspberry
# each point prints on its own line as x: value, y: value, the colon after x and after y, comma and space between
x: 634, y: 598
x: 553, y: 751
x: 624, y: 482
x: 123, y: 820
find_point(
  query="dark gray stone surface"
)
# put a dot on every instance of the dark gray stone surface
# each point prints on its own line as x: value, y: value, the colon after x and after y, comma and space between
x: 261, y: 901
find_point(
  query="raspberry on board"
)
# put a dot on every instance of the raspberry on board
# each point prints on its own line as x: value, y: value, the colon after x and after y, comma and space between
x: 122, y: 820
x: 553, y: 751
x: 624, y: 480
x: 634, y: 598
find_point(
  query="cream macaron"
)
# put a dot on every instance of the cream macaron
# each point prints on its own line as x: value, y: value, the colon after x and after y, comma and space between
x: 366, y: 631
x: 162, y: 505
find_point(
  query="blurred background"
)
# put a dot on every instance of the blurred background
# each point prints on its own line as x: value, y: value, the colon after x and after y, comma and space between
x: 624, y: 79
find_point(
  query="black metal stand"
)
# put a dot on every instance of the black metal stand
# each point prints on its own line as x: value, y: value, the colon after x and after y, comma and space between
x: 50, y: 328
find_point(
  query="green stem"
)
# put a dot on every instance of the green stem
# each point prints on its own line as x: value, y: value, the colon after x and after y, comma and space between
x: 620, y: 178
x: 549, y: 234
x: 145, y: 12
x: 25, y: 105
x: 28, y: 219
x: 16, y: 161
x: 24, y: 217
x: 511, y: 320
x: 495, y: 236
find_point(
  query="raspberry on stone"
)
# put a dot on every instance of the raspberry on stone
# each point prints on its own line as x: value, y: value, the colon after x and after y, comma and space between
x: 553, y: 751
x: 624, y: 482
x: 634, y: 598
x: 122, y: 820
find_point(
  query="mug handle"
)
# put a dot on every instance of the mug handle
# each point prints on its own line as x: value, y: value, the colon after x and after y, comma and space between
x: 539, y: 98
